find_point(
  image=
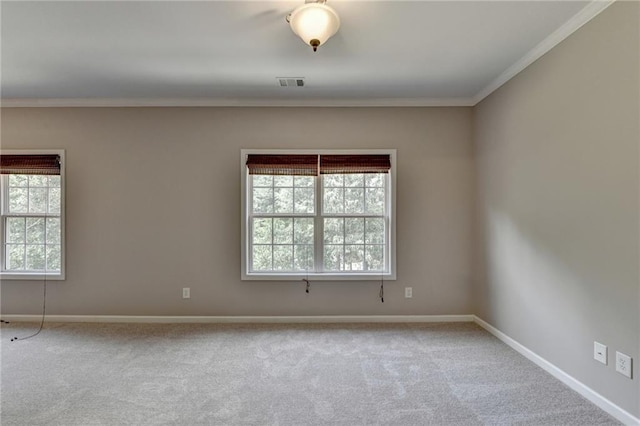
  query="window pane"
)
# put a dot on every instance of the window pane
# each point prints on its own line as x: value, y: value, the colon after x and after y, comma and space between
x: 374, y: 179
x: 53, y: 230
x: 374, y: 257
x: 38, y: 200
x: 354, y: 230
x: 283, y: 200
x: 282, y: 231
x: 333, y: 258
x: 15, y: 257
x: 333, y: 180
x: 262, y: 258
x: 334, y: 231
x: 304, y: 200
x: 53, y: 258
x: 35, y: 230
x: 262, y: 232
x: 303, y: 257
x: 354, y: 180
x: 260, y: 180
x: 374, y: 231
x: 18, y: 180
x: 375, y: 200
x: 333, y: 201
x: 54, y: 200
x: 354, y: 258
x: 263, y: 200
x: 354, y: 200
x: 303, y: 231
x: 54, y: 181
x: 283, y: 180
x: 15, y: 230
x: 303, y: 181
x: 38, y: 180
x: 18, y: 200
x: 283, y: 258
x: 35, y: 257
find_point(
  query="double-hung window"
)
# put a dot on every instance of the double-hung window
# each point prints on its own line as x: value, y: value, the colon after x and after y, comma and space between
x: 322, y: 215
x: 32, y: 207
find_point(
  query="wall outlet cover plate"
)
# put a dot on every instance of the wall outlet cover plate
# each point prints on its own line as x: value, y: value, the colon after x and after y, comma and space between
x: 623, y: 364
x: 600, y: 352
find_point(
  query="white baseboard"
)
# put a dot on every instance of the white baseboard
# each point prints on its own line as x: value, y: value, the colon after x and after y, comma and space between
x: 599, y: 400
x: 242, y: 319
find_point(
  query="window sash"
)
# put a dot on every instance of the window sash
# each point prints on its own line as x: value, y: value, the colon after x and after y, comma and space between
x: 262, y: 215
x: 6, y: 199
x: 319, y: 245
x: 274, y: 244
x: 364, y: 244
x: 365, y: 215
x: 45, y: 244
x: 251, y: 187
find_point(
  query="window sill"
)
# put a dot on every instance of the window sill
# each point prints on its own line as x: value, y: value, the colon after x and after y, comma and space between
x: 31, y: 276
x: 317, y: 277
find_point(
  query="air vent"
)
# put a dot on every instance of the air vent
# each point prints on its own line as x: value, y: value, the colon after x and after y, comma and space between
x: 290, y: 81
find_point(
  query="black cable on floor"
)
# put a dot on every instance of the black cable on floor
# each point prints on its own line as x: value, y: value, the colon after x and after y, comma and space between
x: 44, y: 310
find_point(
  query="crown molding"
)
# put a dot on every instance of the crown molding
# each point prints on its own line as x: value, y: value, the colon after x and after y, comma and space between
x: 587, y: 13
x: 230, y: 102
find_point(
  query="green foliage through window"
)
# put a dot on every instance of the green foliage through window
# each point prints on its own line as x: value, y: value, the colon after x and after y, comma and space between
x: 344, y: 214
x: 32, y: 223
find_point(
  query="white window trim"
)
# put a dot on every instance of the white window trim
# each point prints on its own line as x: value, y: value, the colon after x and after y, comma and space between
x: 37, y: 276
x: 279, y: 276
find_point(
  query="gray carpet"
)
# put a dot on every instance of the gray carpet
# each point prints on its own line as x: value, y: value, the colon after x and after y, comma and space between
x: 322, y: 374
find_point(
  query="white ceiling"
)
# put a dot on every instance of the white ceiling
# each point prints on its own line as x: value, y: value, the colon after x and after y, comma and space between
x: 230, y: 52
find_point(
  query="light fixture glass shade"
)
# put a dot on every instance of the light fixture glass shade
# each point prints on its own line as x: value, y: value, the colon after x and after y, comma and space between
x: 314, y: 23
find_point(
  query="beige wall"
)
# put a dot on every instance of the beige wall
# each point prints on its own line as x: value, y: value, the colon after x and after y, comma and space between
x: 153, y: 205
x: 557, y: 160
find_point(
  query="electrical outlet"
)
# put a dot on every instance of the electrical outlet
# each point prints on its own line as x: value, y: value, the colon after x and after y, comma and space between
x: 186, y: 293
x: 600, y: 352
x: 408, y: 292
x: 623, y: 364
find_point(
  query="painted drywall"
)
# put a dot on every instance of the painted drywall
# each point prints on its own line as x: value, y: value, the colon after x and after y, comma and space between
x: 557, y: 175
x: 153, y: 205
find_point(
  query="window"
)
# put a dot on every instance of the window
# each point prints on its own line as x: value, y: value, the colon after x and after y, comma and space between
x: 32, y: 225
x: 325, y: 215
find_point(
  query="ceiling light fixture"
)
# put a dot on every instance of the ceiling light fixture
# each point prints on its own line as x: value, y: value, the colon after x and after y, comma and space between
x: 314, y: 22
